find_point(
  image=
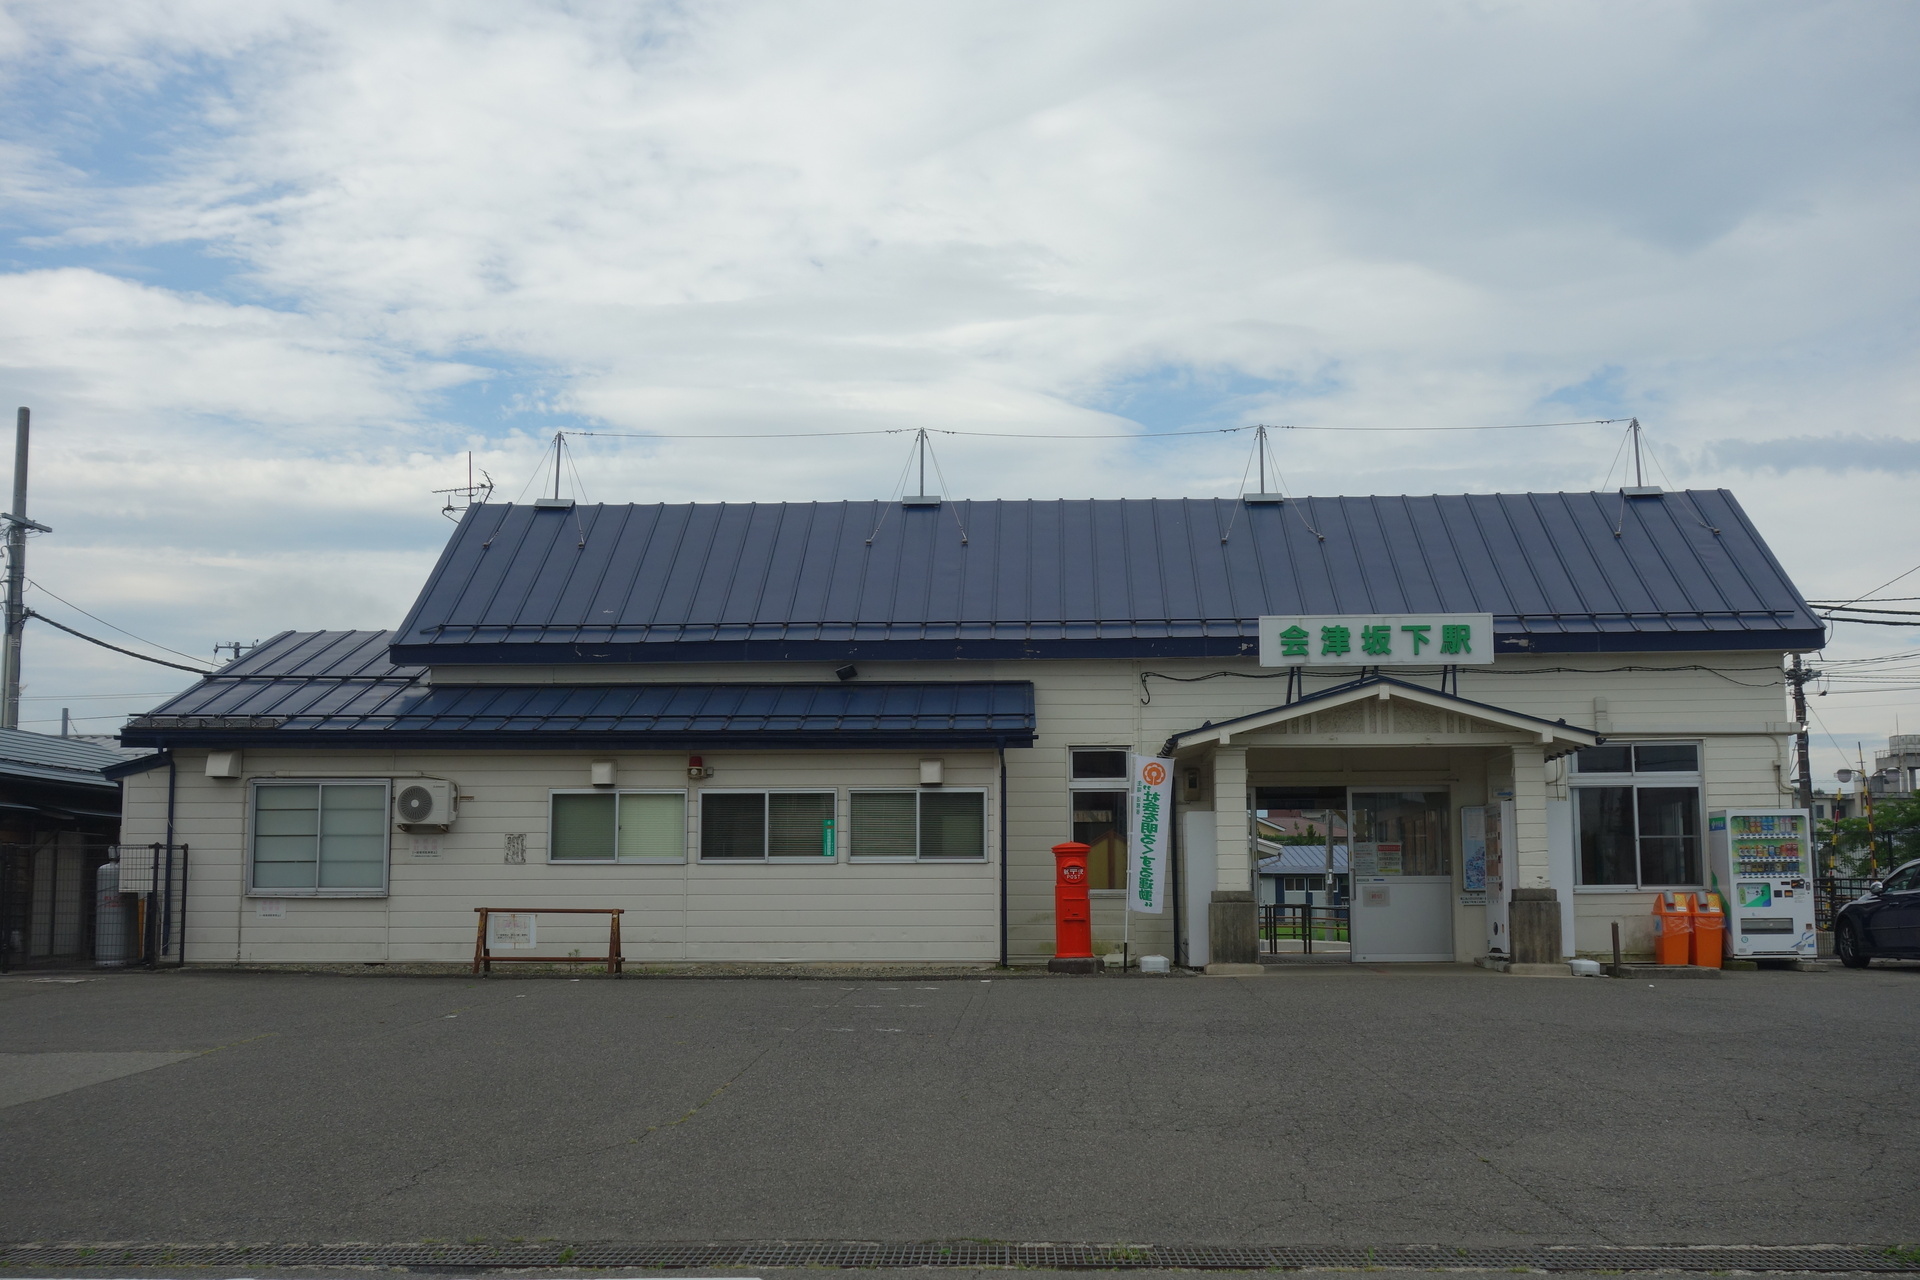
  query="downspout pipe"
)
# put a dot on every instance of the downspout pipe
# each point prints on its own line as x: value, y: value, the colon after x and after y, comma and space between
x: 1002, y: 746
x: 1174, y: 849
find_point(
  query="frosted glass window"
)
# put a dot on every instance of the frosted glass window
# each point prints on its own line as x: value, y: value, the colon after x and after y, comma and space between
x: 320, y: 837
x: 627, y: 826
x: 653, y: 826
x: 583, y: 827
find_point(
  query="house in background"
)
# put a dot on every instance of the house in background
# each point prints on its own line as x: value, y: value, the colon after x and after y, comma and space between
x: 59, y: 816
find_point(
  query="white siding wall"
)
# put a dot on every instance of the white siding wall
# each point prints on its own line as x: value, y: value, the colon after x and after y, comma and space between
x: 835, y: 909
x: 846, y: 911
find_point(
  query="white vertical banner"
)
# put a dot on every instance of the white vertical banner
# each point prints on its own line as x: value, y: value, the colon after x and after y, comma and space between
x: 1149, y: 834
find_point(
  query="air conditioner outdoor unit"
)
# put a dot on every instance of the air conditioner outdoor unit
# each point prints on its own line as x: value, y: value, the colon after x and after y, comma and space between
x: 424, y: 804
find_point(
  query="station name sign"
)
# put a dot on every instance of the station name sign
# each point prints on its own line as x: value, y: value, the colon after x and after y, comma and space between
x: 1377, y: 640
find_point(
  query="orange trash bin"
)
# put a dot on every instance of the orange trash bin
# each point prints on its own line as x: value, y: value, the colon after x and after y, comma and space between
x: 1709, y: 930
x: 1672, y: 929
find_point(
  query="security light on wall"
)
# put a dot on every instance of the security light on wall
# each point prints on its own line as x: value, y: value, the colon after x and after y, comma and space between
x: 932, y: 772
x: 698, y: 769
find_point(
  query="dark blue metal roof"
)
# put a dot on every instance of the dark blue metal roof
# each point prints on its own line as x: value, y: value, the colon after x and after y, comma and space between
x: 338, y: 688
x: 1560, y: 572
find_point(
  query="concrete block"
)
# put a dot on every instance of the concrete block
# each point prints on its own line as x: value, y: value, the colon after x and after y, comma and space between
x: 1523, y: 970
x: 1218, y: 970
x: 1661, y: 971
x: 1080, y: 964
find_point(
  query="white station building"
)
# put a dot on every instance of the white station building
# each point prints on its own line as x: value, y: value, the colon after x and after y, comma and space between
x: 854, y: 731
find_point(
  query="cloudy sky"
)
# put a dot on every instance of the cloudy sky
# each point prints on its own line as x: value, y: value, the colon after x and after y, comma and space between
x: 269, y: 270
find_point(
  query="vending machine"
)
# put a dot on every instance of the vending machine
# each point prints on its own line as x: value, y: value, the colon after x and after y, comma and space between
x: 1762, y: 867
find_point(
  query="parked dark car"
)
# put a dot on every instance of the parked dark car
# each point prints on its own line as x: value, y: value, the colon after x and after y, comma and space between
x: 1884, y: 921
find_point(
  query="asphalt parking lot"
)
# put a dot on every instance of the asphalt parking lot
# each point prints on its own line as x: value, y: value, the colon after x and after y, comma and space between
x: 1351, y: 1106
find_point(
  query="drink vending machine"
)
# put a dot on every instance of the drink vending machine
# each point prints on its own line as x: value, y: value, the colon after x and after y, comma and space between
x: 1762, y: 867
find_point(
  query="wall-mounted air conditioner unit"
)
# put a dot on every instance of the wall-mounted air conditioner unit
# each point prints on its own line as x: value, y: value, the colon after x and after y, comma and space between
x: 423, y: 804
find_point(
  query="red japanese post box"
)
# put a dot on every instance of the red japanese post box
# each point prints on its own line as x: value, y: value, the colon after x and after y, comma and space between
x: 1072, y: 911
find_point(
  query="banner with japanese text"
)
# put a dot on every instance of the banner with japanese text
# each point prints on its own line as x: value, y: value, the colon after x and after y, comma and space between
x: 1149, y: 834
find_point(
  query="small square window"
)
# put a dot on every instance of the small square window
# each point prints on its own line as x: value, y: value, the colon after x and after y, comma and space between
x: 1666, y: 757
x: 1099, y: 764
x: 1604, y: 759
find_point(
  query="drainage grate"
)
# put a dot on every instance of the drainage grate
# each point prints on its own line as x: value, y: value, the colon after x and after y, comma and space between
x: 466, y: 1259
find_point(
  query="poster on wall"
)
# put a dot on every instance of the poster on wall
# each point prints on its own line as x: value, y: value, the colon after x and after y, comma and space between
x: 1473, y: 842
x: 1473, y: 855
x: 1148, y: 834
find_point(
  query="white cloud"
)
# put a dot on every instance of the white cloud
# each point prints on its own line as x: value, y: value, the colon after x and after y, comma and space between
x: 428, y: 226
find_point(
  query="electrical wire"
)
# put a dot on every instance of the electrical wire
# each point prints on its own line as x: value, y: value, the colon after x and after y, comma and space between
x: 1882, y: 587
x: 1041, y: 435
x: 103, y: 622
x: 61, y: 626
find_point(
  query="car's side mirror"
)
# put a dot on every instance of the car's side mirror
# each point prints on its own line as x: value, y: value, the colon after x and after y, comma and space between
x: 1876, y: 887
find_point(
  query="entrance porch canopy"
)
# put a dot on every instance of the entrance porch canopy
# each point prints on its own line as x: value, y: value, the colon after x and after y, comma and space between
x: 1382, y: 711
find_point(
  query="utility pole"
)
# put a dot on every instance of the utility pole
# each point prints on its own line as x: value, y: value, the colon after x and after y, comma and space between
x: 1866, y: 808
x: 1798, y: 677
x: 17, y: 525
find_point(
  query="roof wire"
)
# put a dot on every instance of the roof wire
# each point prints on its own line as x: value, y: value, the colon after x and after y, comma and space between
x: 947, y: 490
x: 1624, y: 437
x: 899, y: 489
x: 1235, y: 517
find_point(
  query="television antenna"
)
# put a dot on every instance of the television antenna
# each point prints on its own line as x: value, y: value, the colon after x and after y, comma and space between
x: 462, y: 496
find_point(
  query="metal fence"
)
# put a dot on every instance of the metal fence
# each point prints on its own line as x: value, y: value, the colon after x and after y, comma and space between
x: 1294, y: 927
x: 1830, y: 893
x: 48, y: 901
x: 153, y: 889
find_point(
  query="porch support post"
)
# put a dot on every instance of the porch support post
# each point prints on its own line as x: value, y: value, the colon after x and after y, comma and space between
x: 1534, y: 910
x: 1232, y: 917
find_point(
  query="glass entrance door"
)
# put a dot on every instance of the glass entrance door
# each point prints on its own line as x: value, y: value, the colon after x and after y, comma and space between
x: 1402, y: 866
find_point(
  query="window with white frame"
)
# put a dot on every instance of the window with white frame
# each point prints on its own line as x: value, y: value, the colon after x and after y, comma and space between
x: 1636, y: 814
x: 1097, y: 790
x: 943, y: 825
x: 618, y: 826
x: 320, y: 838
x: 760, y: 826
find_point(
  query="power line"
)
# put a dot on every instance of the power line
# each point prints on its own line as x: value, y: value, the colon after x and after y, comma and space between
x: 103, y: 622
x: 1883, y: 586
x: 61, y: 626
x: 1042, y: 435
